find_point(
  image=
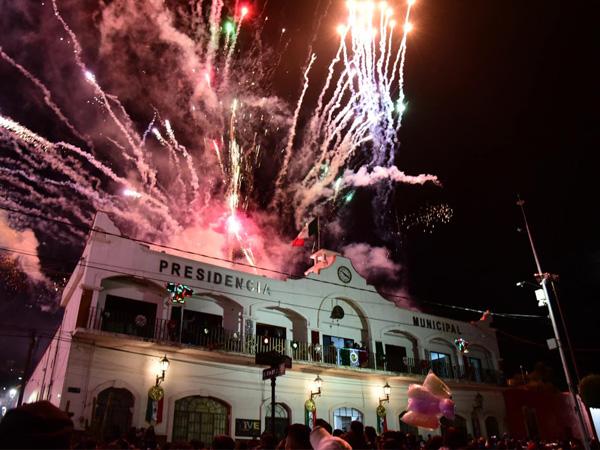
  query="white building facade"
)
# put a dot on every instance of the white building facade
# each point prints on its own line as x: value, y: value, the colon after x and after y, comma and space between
x: 119, y: 322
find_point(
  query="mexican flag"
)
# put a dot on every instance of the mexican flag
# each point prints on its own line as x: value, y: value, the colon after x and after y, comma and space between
x: 154, y: 411
x: 310, y: 229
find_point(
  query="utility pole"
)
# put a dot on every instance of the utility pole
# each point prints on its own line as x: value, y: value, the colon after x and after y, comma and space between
x: 32, y: 343
x: 543, y: 279
x: 273, y: 405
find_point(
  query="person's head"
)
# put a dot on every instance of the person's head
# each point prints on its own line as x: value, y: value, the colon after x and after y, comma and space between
x: 197, y: 444
x: 298, y: 437
x: 454, y: 438
x: 337, y: 432
x: 434, y: 443
x: 320, y: 439
x: 370, y: 434
x: 323, y: 423
x: 36, y: 425
x: 357, y: 427
x: 268, y: 441
x: 222, y: 442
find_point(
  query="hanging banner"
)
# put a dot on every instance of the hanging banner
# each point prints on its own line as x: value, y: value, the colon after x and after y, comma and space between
x: 310, y: 413
x: 154, y: 410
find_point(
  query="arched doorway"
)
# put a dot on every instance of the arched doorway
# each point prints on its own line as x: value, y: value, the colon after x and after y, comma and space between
x: 282, y: 419
x: 112, y: 413
x: 491, y: 426
x: 343, y: 416
x: 200, y: 418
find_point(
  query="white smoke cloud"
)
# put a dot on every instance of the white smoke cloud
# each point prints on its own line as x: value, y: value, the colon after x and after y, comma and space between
x: 372, y: 261
x: 363, y: 178
x: 375, y: 264
x: 23, y: 246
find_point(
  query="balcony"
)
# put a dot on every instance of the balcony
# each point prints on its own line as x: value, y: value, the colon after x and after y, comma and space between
x: 222, y: 340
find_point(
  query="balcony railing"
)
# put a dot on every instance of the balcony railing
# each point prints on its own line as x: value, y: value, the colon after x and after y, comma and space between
x: 220, y: 339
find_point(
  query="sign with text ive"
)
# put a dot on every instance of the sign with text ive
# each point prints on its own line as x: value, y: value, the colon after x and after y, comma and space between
x: 247, y: 427
x: 273, y: 372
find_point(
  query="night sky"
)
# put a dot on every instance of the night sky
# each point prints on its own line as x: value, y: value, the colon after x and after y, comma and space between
x: 502, y: 100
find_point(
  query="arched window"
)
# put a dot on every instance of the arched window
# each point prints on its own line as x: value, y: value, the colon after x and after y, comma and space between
x: 282, y: 419
x: 200, y: 418
x: 343, y: 416
x: 112, y: 413
x: 491, y: 426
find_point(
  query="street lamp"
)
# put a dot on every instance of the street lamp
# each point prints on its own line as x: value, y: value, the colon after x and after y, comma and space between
x: 164, y: 365
x: 387, y: 390
x: 318, y: 383
x: 544, y: 299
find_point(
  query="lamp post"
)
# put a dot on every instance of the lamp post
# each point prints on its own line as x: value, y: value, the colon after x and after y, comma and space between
x: 318, y: 382
x: 387, y: 390
x: 381, y: 412
x: 546, y: 300
x: 164, y: 365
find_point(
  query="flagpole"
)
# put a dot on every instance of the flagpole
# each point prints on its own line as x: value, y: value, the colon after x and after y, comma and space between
x: 318, y: 233
x: 544, y: 280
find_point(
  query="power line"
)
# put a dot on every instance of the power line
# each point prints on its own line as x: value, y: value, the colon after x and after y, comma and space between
x: 112, y: 268
x: 109, y: 266
x: 287, y: 274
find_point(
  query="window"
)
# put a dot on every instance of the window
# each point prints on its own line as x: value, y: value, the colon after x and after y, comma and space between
x: 394, y: 357
x: 343, y: 416
x: 475, y: 368
x: 276, y: 335
x: 282, y: 419
x: 127, y: 316
x: 200, y: 328
x: 441, y: 363
x: 200, y: 418
x: 270, y: 331
x: 112, y: 414
x: 336, y: 351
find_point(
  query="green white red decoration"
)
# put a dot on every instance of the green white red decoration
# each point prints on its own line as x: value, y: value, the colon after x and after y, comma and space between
x: 179, y: 292
x: 462, y: 345
x: 154, y: 410
x: 310, y: 413
x: 381, y: 419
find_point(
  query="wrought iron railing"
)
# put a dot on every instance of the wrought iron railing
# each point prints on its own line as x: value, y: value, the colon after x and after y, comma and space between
x: 220, y: 339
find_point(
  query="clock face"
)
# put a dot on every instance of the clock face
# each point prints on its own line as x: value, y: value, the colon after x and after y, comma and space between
x: 344, y: 274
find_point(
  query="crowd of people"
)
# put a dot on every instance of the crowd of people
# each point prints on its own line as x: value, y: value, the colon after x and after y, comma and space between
x: 41, y: 425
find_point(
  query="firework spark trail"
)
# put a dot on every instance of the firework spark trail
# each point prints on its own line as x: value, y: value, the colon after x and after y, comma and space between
x: 292, y: 135
x: 49, y: 152
x: 361, y: 113
x: 127, y: 129
x: 232, y: 42
x: 405, y: 31
x: 24, y: 133
x: 218, y: 153
x: 73, y: 237
x: 54, y: 199
x: 47, y: 97
x: 149, y: 128
x: 354, y: 113
x: 215, y: 27
x: 173, y: 159
x: 186, y: 156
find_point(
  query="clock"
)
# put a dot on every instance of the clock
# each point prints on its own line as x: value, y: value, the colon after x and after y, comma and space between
x: 344, y: 274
